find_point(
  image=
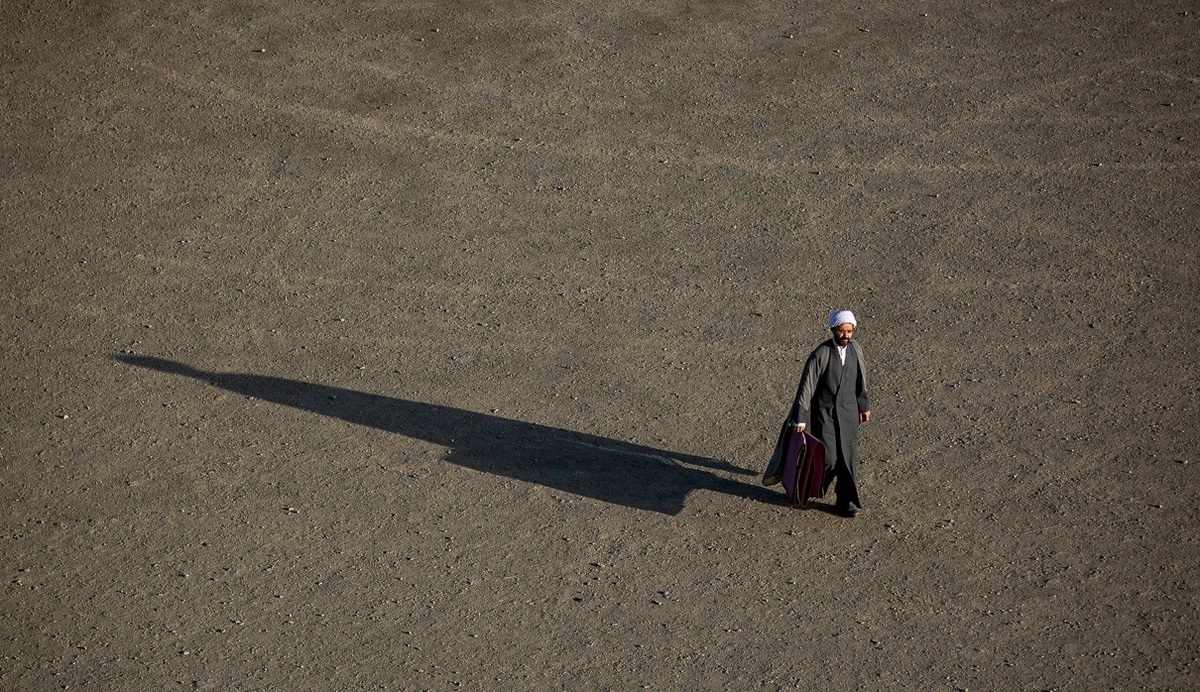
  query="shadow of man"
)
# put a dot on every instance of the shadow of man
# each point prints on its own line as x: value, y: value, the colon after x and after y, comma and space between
x: 608, y: 470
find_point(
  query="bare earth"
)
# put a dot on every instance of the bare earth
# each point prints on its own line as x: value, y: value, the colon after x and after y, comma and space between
x: 435, y: 345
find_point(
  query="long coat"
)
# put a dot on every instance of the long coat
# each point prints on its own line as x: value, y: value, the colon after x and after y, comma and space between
x: 828, y: 400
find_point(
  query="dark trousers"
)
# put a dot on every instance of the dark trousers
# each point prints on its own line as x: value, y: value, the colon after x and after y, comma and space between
x: 843, y: 480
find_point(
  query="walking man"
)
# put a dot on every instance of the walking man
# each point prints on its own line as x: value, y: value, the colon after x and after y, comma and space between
x: 831, y: 402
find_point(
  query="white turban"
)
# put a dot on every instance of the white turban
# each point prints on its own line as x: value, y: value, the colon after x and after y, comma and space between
x: 838, y: 317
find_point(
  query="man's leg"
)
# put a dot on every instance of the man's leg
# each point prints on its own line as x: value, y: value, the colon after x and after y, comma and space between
x: 847, y: 490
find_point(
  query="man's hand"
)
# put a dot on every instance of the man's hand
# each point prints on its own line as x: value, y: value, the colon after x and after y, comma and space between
x: 864, y: 416
x: 798, y: 428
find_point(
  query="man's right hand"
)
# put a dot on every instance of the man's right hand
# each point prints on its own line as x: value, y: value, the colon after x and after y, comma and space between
x: 798, y: 428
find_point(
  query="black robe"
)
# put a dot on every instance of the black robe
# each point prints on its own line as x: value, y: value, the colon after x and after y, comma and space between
x: 828, y: 400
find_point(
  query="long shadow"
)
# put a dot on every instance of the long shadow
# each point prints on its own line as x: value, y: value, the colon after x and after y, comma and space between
x: 608, y: 470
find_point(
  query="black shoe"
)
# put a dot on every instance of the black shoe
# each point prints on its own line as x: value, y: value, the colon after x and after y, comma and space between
x: 772, y: 480
x: 847, y: 511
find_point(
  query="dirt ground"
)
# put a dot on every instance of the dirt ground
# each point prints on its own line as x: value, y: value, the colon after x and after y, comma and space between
x: 440, y: 345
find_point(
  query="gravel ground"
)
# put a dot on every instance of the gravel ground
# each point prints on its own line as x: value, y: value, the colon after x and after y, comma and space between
x: 422, y: 345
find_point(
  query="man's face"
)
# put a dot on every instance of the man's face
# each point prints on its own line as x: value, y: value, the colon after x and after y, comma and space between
x: 843, y: 333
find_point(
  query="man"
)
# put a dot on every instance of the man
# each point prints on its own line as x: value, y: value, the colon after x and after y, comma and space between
x: 831, y: 402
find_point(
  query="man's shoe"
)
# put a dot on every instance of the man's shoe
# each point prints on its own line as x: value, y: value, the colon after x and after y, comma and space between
x: 847, y: 511
x: 772, y: 480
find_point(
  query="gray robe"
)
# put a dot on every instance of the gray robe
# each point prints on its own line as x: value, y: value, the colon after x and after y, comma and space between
x: 828, y: 400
